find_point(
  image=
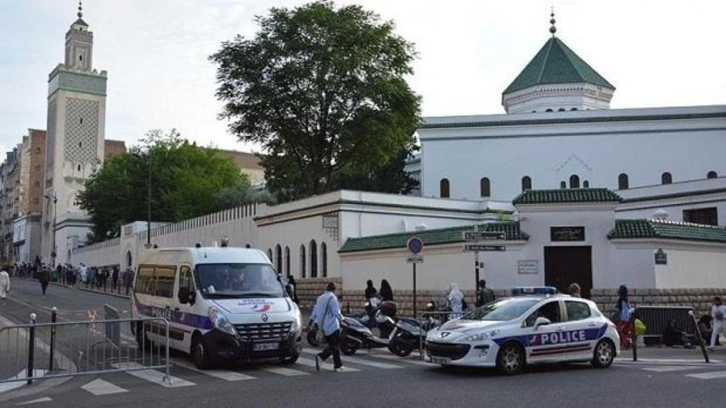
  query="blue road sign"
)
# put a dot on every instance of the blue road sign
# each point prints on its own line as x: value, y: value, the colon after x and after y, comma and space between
x: 414, y: 245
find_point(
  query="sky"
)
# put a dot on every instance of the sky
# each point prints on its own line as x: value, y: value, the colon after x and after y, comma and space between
x: 655, y: 52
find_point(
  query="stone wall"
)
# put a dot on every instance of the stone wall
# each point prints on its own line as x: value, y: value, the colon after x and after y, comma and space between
x: 354, y: 300
x: 700, y: 299
x: 309, y: 289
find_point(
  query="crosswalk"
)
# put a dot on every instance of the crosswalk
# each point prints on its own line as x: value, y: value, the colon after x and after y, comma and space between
x: 695, y: 371
x: 186, y: 374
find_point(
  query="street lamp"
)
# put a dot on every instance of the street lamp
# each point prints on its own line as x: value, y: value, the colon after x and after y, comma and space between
x: 54, y: 198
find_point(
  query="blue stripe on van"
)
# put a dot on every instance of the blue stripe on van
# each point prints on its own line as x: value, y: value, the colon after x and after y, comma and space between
x: 187, y: 319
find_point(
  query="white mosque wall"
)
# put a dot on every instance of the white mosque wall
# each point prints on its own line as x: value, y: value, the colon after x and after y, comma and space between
x: 692, y: 266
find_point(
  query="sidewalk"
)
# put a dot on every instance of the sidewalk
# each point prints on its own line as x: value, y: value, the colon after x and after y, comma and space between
x: 82, y: 286
x: 672, y: 355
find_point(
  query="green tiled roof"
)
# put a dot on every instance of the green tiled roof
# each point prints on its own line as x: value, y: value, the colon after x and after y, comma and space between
x: 429, y: 237
x: 556, y: 63
x: 633, y: 229
x: 563, y: 196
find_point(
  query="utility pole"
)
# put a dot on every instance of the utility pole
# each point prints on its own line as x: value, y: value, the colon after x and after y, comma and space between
x: 148, y: 203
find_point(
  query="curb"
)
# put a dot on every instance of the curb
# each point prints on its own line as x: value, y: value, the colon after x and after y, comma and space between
x: 118, y: 295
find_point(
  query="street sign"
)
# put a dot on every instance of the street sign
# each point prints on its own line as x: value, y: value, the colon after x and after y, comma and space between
x: 415, y: 259
x: 483, y: 235
x: 414, y: 245
x: 477, y: 248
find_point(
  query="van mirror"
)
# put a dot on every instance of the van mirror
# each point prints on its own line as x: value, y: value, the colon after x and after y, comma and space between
x: 192, y: 297
x: 183, y: 295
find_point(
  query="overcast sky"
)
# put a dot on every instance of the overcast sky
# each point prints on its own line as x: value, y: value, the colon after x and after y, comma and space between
x: 655, y: 52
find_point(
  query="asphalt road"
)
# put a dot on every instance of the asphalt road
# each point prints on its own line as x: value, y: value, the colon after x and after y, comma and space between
x: 661, y: 378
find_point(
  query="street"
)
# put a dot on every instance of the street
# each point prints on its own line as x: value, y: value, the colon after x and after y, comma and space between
x: 661, y: 378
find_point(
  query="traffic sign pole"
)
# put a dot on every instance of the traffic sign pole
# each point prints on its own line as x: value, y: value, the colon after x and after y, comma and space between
x: 414, y: 290
x: 415, y: 246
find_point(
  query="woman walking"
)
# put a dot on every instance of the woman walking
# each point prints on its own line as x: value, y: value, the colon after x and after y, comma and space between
x: 623, y: 324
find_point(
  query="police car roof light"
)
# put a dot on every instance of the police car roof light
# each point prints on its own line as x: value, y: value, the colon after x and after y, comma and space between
x: 533, y: 290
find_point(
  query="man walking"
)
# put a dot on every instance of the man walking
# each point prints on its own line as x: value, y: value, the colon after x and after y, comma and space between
x: 44, y: 278
x: 327, y: 315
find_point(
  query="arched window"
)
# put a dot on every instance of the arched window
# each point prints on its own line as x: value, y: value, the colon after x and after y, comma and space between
x: 302, y: 261
x: 526, y: 183
x: 129, y: 259
x: 561, y: 110
x: 574, y: 181
x: 711, y: 174
x: 278, y: 258
x: 623, y: 183
x: 585, y: 184
x: 666, y: 178
x: 573, y: 109
x: 313, y: 259
x: 287, y: 261
x: 548, y: 110
x: 444, y: 191
x: 563, y: 184
x: 324, y: 259
x: 269, y: 254
x: 485, y: 187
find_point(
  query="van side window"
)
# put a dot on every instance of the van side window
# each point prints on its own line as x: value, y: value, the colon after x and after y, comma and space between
x: 186, y: 279
x: 164, y: 281
x: 145, y: 280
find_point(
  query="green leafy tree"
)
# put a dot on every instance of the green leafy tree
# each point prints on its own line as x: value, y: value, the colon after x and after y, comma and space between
x: 184, y: 179
x: 323, y: 91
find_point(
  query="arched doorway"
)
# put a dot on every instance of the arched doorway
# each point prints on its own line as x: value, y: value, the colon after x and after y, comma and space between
x: 129, y: 259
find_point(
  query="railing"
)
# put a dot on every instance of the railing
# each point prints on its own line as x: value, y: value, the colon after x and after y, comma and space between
x: 67, y: 349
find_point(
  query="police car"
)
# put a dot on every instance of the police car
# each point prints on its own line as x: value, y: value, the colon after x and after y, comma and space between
x: 534, y: 326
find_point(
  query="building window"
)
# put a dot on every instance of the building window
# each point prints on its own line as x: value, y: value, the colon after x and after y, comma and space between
x: 623, y: 183
x: 278, y: 258
x: 526, y: 183
x: 269, y: 254
x: 573, y: 109
x: 574, y: 181
x: 666, y: 178
x: 548, y: 110
x: 287, y: 261
x: 561, y: 110
x: 707, y: 216
x: 444, y: 188
x: 37, y: 150
x: 79, y: 167
x: 324, y: 259
x: 711, y: 174
x: 302, y: 261
x: 313, y: 259
x: 79, y: 143
x: 485, y: 187
x: 586, y: 184
x: 563, y: 184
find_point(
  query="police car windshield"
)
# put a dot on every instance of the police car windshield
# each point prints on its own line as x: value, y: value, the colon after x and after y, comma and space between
x: 228, y: 280
x: 505, y: 309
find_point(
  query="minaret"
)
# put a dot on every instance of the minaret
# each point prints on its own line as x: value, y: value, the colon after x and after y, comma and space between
x: 75, y: 141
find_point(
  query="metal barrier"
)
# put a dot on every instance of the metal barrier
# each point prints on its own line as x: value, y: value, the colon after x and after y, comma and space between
x: 66, y: 349
x: 656, y: 319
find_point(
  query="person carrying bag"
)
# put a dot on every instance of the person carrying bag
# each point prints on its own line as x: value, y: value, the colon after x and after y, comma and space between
x: 326, y: 314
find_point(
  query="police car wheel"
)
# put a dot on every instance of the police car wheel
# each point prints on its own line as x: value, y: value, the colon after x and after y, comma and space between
x: 510, y: 359
x: 604, y: 354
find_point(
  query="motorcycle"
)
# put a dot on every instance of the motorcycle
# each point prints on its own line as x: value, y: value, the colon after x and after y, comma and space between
x: 354, y: 335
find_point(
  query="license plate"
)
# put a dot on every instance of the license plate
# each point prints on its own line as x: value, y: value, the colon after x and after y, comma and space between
x: 440, y: 360
x: 265, y: 346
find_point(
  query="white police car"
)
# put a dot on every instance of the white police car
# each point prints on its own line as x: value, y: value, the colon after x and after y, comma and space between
x: 531, y: 328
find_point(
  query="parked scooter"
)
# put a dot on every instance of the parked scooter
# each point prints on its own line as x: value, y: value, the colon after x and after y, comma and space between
x: 411, y: 333
x: 356, y: 336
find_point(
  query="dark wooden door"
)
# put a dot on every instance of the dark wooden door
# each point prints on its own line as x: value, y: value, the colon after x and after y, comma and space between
x: 567, y: 264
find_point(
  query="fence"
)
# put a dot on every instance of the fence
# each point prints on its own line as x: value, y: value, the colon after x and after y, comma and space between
x: 65, y: 349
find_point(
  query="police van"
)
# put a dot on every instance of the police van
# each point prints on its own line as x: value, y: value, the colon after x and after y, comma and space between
x: 533, y: 326
x: 221, y: 303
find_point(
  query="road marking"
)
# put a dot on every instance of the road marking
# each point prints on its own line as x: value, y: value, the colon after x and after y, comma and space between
x: 407, y: 360
x: 287, y: 372
x: 708, y: 376
x: 663, y: 360
x: 221, y: 374
x: 154, y: 376
x: 328, y: 367
x: 361, y: 361
x: 44, y: 399
x: 101, y: 387
x: 668, y: 369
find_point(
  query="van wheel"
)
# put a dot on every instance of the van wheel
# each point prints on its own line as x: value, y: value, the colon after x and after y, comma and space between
x: 604, y: 354
x: 291, y: 359
x: 510, y: 359
x: 200, y: 353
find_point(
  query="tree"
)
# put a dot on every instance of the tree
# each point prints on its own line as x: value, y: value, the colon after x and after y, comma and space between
x: 391, y: 178
x: 184, y: 179
x: 322, y: 90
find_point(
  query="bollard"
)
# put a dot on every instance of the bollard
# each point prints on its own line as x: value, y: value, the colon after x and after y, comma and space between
x: 633, y: 335
x: 53, y: 317
x: 701, y: 340
x: 31, y: 347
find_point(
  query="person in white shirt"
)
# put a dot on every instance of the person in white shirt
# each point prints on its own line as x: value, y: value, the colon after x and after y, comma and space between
x: 456, y: 301
x: 4, y: 284
x: 718, y: 311
x: 327, y: 315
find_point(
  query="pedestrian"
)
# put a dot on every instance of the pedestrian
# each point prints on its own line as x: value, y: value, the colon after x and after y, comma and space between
x: 456, y: 301
x: 718, y: 311
x: 484, y: 295
x: 4, y: 285
x: 386, y: 291
x: 114, y: 279
x: 327, y: 315
x: 623, y: 317
x: 44, y: 279
x: 292, y: 288
x: 83, y: 271
x: 574, y: 290
x: 104, y: 277
x: 371, y: 291
x: 128, y: 279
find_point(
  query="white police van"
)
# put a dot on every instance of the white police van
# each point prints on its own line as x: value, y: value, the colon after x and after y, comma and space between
x: 221, y: 303
x: 534, y: 326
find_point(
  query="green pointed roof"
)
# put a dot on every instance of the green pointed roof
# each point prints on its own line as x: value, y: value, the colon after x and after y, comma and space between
x: 556, y: 63
x: 80, y: 22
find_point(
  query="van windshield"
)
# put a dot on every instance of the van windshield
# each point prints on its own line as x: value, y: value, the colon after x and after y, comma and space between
x: 232, y: 280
